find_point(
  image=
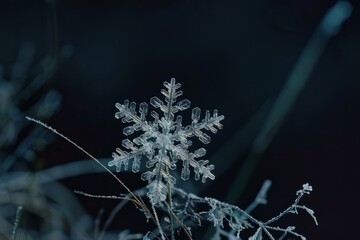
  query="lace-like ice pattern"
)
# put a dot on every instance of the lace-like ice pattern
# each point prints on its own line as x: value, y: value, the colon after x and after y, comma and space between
x: 164, y: 141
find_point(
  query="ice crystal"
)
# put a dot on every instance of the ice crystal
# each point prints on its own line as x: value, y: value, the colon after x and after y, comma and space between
x: 164, y: 141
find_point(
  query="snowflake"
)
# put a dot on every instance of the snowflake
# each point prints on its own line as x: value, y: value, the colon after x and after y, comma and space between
x: 164, y: 141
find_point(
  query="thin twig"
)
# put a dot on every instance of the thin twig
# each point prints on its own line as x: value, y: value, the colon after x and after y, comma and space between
x: 158, y: 223
x: 135, y: 199
x: 17, y: 221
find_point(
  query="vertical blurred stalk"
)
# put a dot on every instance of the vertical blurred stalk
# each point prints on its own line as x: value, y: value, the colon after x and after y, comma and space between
x: 16, y: 223
x: 328, y: 27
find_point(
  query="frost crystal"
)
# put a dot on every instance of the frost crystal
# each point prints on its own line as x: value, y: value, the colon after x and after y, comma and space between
x: 164, y: 141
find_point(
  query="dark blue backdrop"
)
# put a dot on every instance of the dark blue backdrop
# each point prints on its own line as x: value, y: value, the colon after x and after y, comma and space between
x: 231, y: 55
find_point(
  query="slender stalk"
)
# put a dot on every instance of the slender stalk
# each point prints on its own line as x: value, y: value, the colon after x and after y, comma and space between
x: 136, y: 200
x: 16, y: 223
x: 170, y: 209
x: 158, y: 223
x: 179, y: 222
x: 329, y: 26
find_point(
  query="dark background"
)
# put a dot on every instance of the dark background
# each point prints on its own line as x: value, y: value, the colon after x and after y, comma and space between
x: 234, y: 56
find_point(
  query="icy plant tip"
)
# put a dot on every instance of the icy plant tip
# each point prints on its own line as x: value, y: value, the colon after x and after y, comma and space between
x: 164, y: 141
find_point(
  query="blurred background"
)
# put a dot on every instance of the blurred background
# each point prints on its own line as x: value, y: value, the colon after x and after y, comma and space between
x: 234, y: 56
